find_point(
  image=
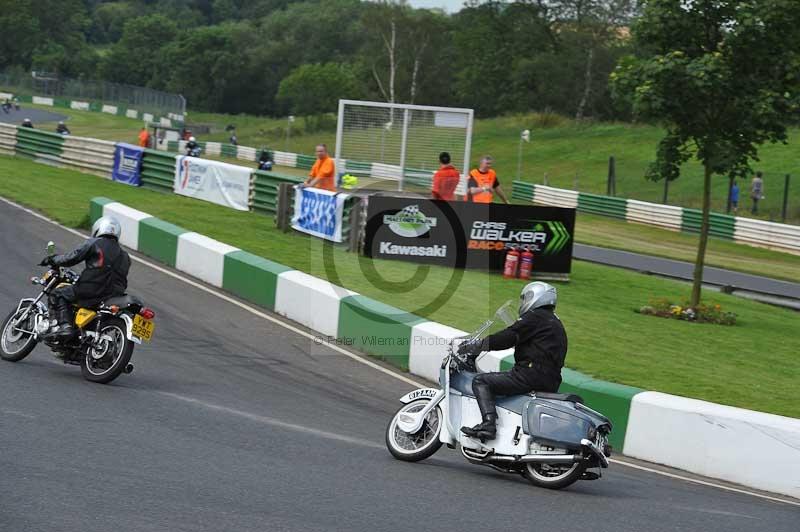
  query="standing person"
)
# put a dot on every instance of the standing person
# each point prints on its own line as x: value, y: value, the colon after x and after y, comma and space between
x: 323, y: 172
x: 735, y: 196
x: 757, y: 190
x: 62, y: 129
x: 483, y: 183
x: 234, y: 139
x: 445, y: 180
x: 144, y: 138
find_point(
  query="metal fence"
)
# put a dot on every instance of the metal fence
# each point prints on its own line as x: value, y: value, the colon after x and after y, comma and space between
x: 142, y: 98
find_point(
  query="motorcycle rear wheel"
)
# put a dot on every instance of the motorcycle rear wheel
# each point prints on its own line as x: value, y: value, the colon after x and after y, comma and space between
x: 116, y: 354
x: 13, y: 347
x: 420, y: 445
x: 554, y: 477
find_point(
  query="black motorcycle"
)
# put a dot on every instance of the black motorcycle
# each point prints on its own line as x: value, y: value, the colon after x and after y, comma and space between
x: 107, y: 332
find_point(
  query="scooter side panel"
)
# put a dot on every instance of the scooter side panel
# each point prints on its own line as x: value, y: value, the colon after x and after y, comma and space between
x: 558, y: 423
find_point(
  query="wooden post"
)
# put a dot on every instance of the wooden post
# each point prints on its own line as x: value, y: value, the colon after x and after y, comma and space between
x: 283, y: 206
x: 611, y: 186
x: 785, y: 198
x: 356, y: 219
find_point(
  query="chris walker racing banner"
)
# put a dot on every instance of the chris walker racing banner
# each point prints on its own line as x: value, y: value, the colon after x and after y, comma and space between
x: 220, y: 183
x: 468, y: 235
x: 127, y: 164
x: 319, y: 212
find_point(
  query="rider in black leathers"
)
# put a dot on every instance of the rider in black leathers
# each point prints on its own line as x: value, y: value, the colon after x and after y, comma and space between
x: 105, y: 275
x: 540, y: 347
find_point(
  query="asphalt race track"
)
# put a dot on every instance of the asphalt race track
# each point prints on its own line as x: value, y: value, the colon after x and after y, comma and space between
x: 233, y: 423
x: 37, y: 116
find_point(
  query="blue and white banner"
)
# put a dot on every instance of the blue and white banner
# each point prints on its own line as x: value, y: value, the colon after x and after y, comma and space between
x: 220, y: 183
x: 128, y: 164
x: 319, y: 212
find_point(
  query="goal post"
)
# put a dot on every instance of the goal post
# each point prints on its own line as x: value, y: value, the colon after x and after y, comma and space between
x: 401, y: 142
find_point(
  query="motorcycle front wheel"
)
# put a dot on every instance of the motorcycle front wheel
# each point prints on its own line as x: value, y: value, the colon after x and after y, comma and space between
x: 420, y: 445
x: 109, y: 354
x: 15, y: 344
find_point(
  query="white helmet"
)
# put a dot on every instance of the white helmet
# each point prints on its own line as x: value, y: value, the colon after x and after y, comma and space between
x: 535, y: 295
x: 192, y: 139
x: 107, y: 226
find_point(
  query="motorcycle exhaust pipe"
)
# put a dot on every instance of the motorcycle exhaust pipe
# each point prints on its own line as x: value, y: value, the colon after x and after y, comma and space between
x: 528, y: 458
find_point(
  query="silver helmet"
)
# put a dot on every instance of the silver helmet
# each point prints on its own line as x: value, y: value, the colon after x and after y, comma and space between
x: 107, y: 226
x: 535, y: 295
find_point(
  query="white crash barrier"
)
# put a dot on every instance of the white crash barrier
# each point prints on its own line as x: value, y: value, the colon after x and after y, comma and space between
x: 40, y: 100
x: 79, y: 106
x: 246, y: 153
x: 428, y: 346
x: 110, y: 109
x: 8, y: 138
x: 213, y: 148
x: 386, y: 171
x: 310, y: 301
x: 751, y: 448
x: 556, y: 197
x: 132, y: 113
x: 129, y: 220
x: 96, y: 156
x: 202, y: 257
x: 771, y: 235
x: 284, y: 158
x: 664, y: 216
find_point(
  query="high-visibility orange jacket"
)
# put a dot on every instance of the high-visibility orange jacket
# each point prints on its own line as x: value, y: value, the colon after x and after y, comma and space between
x: 482, y: 179
x: 326, y: 170
x: 445, y: 181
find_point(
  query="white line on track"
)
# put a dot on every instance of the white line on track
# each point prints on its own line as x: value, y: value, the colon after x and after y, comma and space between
x: 365, y: 361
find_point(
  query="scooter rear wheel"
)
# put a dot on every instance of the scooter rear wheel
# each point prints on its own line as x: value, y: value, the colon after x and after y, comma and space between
x: 420, y: 445
x: 554, y: 477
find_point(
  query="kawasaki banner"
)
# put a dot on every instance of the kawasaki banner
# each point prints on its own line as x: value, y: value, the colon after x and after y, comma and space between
x: 128, y: 164
x: 468, y: 235
x: 319, y: 212
x: 220, y: 183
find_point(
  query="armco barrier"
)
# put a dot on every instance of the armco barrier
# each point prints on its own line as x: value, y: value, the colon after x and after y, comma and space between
x: 8, y: 138
x: 605, y: 205
x: 721, y: 225
x: 92, y: 155
x: 37, y: 144
x: 698, y: 436
x: 158, y: 170
x: 265, y: 187
x: 758, y: 233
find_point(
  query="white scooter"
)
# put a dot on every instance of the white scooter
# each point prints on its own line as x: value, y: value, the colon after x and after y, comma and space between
x: 551, y: 439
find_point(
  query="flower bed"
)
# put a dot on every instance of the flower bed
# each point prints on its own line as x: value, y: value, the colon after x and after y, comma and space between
x: 702, y: 313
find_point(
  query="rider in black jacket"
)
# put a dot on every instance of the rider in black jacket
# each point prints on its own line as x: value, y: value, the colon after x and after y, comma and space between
x: 540, y: 346
x: 105, y: 274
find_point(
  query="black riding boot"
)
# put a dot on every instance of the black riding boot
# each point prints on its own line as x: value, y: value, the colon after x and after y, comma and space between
x: 62, y: 312
x: 483, y: 431
x: 483, y: 394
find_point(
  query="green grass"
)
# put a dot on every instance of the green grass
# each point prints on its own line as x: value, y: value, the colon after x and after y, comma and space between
x: 752, y: 365
x: 102, y: 126
x: 573, y: 155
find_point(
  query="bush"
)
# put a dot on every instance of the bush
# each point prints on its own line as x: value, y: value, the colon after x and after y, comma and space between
x: 702, y: 313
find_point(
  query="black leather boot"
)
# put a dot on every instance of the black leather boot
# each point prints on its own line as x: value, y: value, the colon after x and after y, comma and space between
x: 483, y: 431
x: 64, y: 330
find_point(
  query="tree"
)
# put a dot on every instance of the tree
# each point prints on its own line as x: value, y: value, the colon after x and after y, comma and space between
x: 138, y: 56
x: 316, y: 88
x: 723, y: 77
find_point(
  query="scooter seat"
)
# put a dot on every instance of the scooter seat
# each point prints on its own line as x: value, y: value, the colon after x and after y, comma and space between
x: 462, y: 382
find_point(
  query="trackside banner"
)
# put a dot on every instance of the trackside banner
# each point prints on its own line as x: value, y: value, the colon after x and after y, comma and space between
x: 220, y: 183
x: 128, y: 164
x: 319, y: 212
x: 468, y: 235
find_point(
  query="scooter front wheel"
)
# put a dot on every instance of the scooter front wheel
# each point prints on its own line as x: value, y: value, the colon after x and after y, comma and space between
x: 420, y: 445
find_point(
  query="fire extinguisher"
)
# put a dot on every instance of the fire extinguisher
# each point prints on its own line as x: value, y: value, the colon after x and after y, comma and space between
x: 512, y: 261
x: 525, y: 263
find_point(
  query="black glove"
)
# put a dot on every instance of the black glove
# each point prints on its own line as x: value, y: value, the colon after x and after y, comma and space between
x: 471, y: 348
x: 47, y: 261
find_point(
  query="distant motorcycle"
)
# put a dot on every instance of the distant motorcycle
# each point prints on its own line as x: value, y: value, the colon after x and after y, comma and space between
x: 552, y: 439
x: 193, y: 151
x: 106, y: 335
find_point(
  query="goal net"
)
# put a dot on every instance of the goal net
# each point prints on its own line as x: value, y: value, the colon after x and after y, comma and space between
x: 401, y: 142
